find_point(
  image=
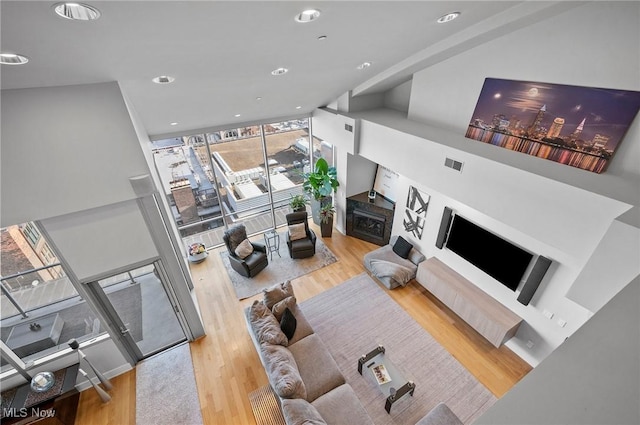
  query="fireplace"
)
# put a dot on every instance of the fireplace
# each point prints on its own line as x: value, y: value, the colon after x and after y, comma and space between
x: 369, y: 225
x: 370, y: 219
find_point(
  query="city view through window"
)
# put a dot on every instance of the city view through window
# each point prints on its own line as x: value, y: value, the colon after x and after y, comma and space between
x: 241, y: 175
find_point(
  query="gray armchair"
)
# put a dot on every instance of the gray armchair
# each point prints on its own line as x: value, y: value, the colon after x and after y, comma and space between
x: 306, y: 246
x: 251, y: 265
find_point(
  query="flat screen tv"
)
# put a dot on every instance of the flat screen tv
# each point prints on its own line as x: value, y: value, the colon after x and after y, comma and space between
x: 490, y: 253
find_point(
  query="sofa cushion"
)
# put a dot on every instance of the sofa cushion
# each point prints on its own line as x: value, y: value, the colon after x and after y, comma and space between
x: 297, y: 231
x: 301, y: 412
x: 279, y: 307
x: 416, y: 257
x: 276, y: 293
x: 341, y: 403
x: 244, y: 249
x: 317, y: 367
x: 265, y: 326
x: 402, y: 247
x: 303, y: 328
x: 282, y: 372
x: 288, y: 323
x: 440, y: 415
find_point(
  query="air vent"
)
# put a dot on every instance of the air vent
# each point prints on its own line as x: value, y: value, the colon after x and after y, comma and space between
x: 452, y: 163
x: 349, y: 128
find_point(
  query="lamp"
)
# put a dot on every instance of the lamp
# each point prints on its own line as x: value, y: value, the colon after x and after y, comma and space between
x: 73, y: 343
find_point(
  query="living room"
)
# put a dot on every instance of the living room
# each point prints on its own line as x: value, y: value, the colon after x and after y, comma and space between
x: 588, y: 224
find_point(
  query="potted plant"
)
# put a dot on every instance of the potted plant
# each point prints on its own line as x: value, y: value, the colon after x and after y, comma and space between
x: 298, y: 203
x: 320, y: 184
x: 326, y: 214
x: 197, y: 252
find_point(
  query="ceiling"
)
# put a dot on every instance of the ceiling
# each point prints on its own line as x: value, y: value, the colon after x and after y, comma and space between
x: 221, y: 53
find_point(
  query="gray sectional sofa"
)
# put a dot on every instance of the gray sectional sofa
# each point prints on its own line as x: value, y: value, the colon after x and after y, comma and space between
x: 303, y: 374
x: 301, y: 371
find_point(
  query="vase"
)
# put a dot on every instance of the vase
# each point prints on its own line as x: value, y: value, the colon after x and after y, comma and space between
x: 326, y: 229
x: 198, y: 258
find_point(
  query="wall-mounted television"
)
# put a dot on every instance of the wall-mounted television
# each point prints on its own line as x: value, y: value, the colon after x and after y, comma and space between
x: 497, y: 257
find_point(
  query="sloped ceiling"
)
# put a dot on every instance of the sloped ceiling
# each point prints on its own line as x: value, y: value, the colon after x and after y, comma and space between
x: 221, y: 53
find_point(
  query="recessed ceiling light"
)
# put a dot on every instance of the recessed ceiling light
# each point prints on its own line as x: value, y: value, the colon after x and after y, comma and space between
x: 364, y: 65
x: 298, y: 107
x: 237, y: 115
x: 279, y: 71
x: 258, y: 98
x: 76, y: 11
x: 307, y: 16
x: 163, y: 79
x: 13, y: 59
x: 448, y: 17
x: 173, y: 123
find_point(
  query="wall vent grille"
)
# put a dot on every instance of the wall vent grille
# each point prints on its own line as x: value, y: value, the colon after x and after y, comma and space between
x: 348, y: 127
x: 453, y: 164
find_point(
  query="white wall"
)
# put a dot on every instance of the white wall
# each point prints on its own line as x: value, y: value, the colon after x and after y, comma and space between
x: 65, y: 149
x: 362, y: 173
x: 594, y: 45
x: 619, y: 250
x: 330, y: 127
x: 593, y: 378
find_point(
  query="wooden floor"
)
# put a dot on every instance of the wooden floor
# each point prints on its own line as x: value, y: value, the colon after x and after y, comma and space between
x: 227, y: 367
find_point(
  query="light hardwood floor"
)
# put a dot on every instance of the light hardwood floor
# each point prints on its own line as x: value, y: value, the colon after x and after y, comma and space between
x: 227, y: 367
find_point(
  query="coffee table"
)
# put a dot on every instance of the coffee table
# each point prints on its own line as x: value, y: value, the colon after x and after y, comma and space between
x: 379, y: 369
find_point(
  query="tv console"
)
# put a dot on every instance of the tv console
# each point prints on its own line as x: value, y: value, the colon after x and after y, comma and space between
x: 482, y: 312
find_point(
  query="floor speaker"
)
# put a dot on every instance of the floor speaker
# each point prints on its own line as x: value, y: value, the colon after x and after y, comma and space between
x: 533, y: 281
x: 444, y: 227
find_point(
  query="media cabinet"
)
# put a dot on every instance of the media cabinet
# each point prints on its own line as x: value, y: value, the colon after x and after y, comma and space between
x: 482, y: 312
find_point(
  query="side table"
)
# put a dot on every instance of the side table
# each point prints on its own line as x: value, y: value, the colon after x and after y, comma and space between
x: 272, y: 240
x: 22, y: 405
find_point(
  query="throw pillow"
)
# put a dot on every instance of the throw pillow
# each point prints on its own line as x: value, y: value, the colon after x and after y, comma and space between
x: 301, y: 412
x: 288, y: 323
x: 265, y: 326
x: 277, y: 292
x: 297, y: 231
x: 283, y: 372
x: 279, y: 307
x: 402, y: 247
x: 244, y: 249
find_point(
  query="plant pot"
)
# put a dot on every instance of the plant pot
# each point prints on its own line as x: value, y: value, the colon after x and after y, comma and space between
x: 326, y: 229
x: 315, y: 208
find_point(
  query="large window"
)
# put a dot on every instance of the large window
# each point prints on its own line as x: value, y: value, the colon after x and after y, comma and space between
x: 41, y: 310
x: 240, y: 175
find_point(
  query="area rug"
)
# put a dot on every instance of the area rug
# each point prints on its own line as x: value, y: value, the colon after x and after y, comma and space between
x: 280, y: 268
x: 166, y: 391
x: 355, y: 317
x: 265, y: 407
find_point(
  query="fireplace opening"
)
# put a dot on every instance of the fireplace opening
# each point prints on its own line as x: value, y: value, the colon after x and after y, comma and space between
x: 368, y: 224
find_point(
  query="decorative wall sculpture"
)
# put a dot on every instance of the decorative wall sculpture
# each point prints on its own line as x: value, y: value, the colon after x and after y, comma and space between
x: 577, y: 126
x: 416, y: 210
